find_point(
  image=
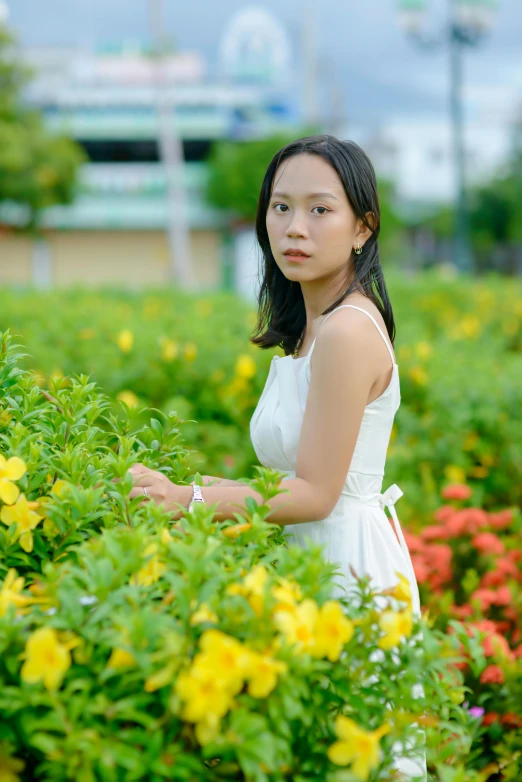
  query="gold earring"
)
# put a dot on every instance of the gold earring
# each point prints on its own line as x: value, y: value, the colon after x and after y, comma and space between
x: 358, y: 249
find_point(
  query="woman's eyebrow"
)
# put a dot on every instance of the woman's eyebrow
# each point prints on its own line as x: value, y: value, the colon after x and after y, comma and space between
x: 278, y: 194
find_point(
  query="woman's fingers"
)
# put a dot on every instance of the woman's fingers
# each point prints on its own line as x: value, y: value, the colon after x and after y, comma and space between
x: 138, y: 469
x: 137, y: 491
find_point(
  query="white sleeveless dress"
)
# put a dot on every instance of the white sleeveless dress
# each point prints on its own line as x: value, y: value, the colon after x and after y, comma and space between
x: 357, y: 533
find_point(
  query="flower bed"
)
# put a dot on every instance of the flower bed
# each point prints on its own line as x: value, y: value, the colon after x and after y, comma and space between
x: 469, y: 567
x: 132, y: 648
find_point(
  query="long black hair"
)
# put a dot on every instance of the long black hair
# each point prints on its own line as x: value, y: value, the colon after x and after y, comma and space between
x: 281, y: 311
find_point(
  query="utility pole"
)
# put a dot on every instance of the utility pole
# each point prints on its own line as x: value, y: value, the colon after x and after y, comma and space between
x: 309, y: 43
x: 469, y: 22
x: 171, y: 155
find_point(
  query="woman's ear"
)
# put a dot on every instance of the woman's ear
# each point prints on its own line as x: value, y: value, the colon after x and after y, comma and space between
x: 363, y: 233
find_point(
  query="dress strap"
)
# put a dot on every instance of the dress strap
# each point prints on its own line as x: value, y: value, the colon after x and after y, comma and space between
x: 366, y: 313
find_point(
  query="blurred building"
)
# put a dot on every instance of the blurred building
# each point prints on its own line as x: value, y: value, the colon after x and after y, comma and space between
x: 115, y: 232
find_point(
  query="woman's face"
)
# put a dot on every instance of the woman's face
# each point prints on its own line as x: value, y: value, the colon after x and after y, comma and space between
x: 309, y: 211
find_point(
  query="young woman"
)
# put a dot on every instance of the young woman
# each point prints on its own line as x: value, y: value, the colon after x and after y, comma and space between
x: 326, y: 412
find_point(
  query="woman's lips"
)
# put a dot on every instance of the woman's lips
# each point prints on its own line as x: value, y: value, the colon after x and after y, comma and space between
x: 296, y: 258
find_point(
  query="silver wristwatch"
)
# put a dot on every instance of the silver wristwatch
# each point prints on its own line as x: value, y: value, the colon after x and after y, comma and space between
x: 196, y: 497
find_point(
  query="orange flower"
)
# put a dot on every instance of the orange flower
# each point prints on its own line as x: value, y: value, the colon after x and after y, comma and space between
x: 493, y: 674
x: 490, y: 717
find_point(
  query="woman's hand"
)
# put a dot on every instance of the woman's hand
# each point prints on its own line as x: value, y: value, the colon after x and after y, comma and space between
x: 159, y: 489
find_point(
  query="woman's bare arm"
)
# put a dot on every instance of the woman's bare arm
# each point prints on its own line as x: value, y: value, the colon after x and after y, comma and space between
x: 212, y: 480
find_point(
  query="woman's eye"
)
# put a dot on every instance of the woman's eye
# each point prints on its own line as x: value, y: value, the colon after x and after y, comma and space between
x: 315, y: 207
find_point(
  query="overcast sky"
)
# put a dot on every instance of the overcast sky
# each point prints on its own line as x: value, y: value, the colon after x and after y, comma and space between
x: 362, y: 51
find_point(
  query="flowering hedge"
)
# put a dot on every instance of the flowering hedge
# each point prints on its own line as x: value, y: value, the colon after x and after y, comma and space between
x: 459, y: 350
x: 469, y: 567
x: 132, y: 648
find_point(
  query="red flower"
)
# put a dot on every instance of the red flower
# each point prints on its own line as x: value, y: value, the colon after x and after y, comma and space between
x: 444, y: 513
x: 497, y: 645
x: 456, y: 526
x: 490, y: 717
x: 492, y: 675
x: 501, y: 520
x: 422, y: 572
x: 486, y: 598
x: 456, y: 491
x: 511, y: 720
x: 462, y: 612
x: 413, y: 542
x: 433, y: 533
x: 466, y: 520
x: 503, y: 596
x: 505, y: 569
x: 488, y: 543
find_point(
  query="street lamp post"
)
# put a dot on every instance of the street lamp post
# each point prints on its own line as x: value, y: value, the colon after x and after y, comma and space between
x: 469, y: 22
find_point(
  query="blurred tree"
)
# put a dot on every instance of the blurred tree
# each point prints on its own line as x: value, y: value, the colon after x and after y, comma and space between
x: 237, y: 169
x: 37, y: 169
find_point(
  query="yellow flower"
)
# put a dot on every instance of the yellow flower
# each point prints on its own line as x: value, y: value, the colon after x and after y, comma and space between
x: 356, y: 747
x: 252, y: 588
x: 169, y: 349
x: 121, y: 658
x: 160, y: 679
x: 245, y: 367
x: 298, y: 626
x: 190, y: 352
x: 455, y: 474
x: 10, y: 594
x: 203, y: 694
x: 287, y: 593
x: 10, y: 470
x: 235, y: 530
x: 46, y: 659
x: 332, y: 631
x: 457, y: 695
x: 418, y: 375
x: 152, y: 571
x: 166, y: 537
x: 129, y: 397
x: 262, y: 677
x: 125, y: 340
x: 60, y: 487
x: 25, y: 518
x: 402, y: 590
x: 226, y: 657
x: 9, y: 767
x: 395, y: 625
x: 423, y: 349
x: 470, y: 326
x: 203, y: 614
x: 207, y: 729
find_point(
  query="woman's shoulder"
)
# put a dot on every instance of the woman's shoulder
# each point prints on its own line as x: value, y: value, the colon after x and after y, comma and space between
x: 351, y: 325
